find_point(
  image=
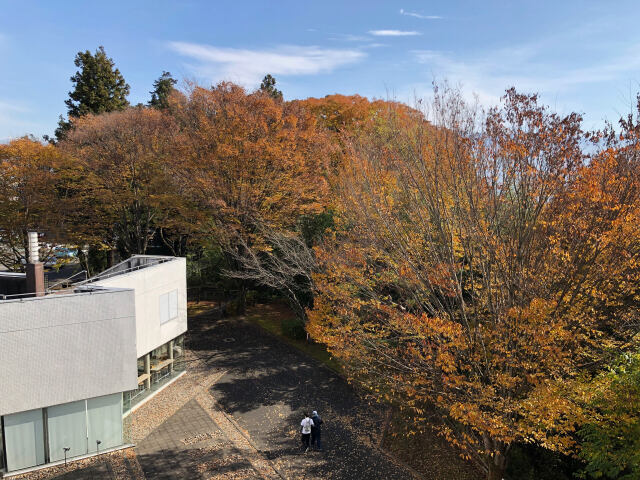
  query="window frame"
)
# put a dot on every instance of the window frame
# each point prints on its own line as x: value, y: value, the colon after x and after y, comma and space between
x: 168, y: 306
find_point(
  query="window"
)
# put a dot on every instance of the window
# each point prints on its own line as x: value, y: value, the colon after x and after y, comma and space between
x: 141, y: 366
x: 105, y: 422
x: 24, y: 439
x: 67, y: 427
x: 1, y: 446
x: 178, y: 354
x: 168, y: 306
x: 74, y: 429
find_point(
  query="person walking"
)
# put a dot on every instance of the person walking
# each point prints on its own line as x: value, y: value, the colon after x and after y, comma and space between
x: 316, y: 431
x: 306, y: 424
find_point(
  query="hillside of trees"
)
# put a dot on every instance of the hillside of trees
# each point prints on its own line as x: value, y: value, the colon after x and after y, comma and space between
x: 478, y: 267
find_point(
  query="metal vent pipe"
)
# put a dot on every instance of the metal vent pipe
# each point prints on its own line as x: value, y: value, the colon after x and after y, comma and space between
x: 33, y: 253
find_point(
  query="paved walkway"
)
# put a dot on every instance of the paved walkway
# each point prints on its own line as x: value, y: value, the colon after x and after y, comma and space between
x: 265, y: 389
x: 191, y: 445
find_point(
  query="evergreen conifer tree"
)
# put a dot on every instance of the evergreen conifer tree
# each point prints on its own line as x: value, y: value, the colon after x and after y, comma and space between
x: 98, y: 87
x: 162, y: 88
x: 268, y: 85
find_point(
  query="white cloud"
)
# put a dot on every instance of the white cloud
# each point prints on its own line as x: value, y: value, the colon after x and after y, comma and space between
x: 348, y: 37
x: 533, y: 68
x: 248, y: 67
x: 393, y: 33
x: 418, y: 15
x: 521, y: 66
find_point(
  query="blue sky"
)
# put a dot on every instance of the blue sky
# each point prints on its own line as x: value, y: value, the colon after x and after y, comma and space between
x: 579, y: 55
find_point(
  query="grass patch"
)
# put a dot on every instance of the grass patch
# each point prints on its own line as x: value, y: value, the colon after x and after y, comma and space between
x: 196, y: 308
x: 269, y: 318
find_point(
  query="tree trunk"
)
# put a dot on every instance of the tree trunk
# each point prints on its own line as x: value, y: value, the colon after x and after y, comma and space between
x: 497, y: 467
x: 497, y: 460
x: 111, y: 257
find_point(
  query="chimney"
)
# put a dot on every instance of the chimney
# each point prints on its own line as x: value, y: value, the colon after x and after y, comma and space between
x: 35, y: 269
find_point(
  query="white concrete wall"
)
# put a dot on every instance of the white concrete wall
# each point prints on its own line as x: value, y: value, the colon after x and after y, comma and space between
x: 149, y: 283
x: 62, y: 348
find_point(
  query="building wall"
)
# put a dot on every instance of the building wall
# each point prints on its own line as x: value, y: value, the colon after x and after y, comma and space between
x: 150, y: 284
x: 62, y: 348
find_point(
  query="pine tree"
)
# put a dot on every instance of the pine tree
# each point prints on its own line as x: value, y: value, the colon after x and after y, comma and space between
x: 162, y: 88
x: 98, y: 87
x: 268, y: 86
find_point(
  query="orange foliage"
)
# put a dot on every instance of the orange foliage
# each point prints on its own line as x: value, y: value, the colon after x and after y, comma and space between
x: 484, y: 272
x: 29, y: 200
x: 124, y: 189
x: 250, y: 160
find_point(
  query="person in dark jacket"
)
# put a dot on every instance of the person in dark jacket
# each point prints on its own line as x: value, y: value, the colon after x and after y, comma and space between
x: 316, y: 431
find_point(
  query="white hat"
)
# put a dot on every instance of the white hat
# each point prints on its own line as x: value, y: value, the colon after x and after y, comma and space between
x: 314, y: 413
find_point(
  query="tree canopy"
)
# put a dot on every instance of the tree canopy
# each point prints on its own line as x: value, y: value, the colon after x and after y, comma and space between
x: 162, y: 88
x: 31, y: 197
x: 477, y: 271
x: 268, y: 86
x: 98, y: 87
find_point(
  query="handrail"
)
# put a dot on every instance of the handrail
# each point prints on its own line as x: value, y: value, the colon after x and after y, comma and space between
x: 51, y: 287
x: 41, y: 294
x: 106, y: 274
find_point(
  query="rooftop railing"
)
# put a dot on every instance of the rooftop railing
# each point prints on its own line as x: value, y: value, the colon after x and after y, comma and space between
x: 48, y: 292
x: 148, y: 261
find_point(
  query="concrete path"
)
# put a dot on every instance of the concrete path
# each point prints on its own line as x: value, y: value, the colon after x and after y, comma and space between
x: 266, y: 388
x: 191, y: 445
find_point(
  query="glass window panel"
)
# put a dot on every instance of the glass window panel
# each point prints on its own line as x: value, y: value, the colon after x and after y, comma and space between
x: 178, y: 347
x: 67, y: 426
x: 1, y: 447
x: 105, y: 422
x: 173, y: 304
x: 126, y: 400
x: 24, y: 439
x: 160, y: 353
x: 164, y: 308
x: 140, y: 366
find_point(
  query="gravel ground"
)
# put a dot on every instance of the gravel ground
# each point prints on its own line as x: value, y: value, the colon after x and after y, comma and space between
x: 119, y: 465
x: 265, y: 389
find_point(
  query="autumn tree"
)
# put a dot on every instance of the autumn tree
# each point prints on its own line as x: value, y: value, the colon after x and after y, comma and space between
x: 127, y: 188
x: 29, y: 197
x: 472, y: 268
x: 286, y: 265
x: 349, y: 113
x: 162, y: 88
x: 249, y: 161
x: 98, y: 87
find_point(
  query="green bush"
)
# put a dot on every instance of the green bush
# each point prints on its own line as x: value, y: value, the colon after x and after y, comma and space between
x: 293, y: 328
x: 611, y: 442
x: 532, y: 462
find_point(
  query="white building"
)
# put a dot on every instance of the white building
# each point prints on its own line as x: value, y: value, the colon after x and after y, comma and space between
x: 74, y: 362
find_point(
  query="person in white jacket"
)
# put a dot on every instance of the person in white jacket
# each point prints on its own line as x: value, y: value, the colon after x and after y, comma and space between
x: 305, y: 430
